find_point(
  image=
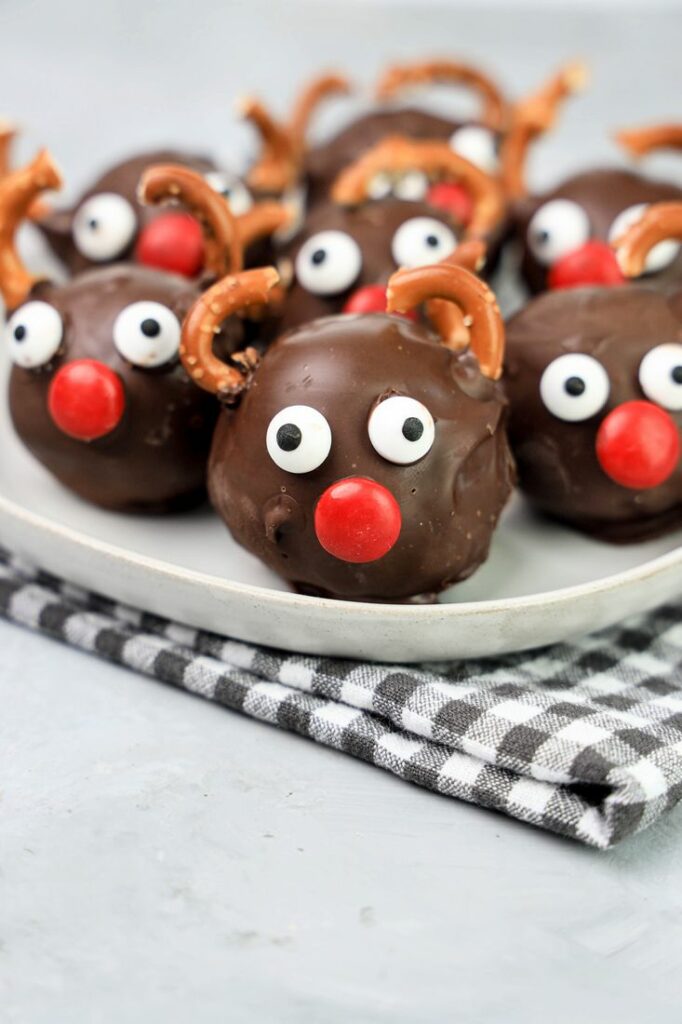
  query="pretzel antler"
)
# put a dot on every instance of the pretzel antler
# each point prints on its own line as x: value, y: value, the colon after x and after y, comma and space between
x: 659, y: 223
x: 436, y: 72
x: 531, y: 118
x: 447, y: 319
x: 18, y: 192
x: 642, y: 141
x: 409, y: 288
x: 233, y: 294
x: 262, y: 220
x: 435, y: 158
x: 284, y: 144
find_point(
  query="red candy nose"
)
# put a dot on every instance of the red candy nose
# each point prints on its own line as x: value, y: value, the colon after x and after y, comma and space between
x: 593, y: 263
x: 172, y: 242
x: 357, y: 520
x: 452, y: 198
x: 638, y: 445
x: 86, y: 399
x: 371, y: 299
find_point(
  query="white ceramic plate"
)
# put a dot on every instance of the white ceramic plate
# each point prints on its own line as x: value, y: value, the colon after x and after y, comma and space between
x: 542, y: 583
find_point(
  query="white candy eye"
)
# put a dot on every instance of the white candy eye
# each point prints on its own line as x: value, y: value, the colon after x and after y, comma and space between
x: 422, y: 240
x: 574, y: 387
x: 299, y: 439
x: 147, y: 334
x: 477, y: 145
x: 412, y: 186
x: 233, y: 189
x: 557, y: 228
x: 103, y: 226
x: 660, y: 374
x: 328, y: 263
x: 401, y: 429
x: 661, y: 256
x: 380, y: 186
x: 33, y: 334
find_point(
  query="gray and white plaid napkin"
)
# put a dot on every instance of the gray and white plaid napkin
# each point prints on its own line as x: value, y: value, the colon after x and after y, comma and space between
x: 583, y: 739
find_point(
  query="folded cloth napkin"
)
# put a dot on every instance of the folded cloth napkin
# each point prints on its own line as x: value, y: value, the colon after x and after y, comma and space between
x: 583, y: 739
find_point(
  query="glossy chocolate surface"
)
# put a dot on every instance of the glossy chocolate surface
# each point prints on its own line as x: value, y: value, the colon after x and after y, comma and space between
x: 155, y: 459
x: 450, y: 500
x: 557, y: 461
x: 603, y: 195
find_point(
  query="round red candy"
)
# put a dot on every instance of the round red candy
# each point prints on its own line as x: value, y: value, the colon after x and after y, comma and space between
x: 594, y: 263
x: 357, y: 520
x: 371, y: 298
x: 173, y: 242
x: 86, y: 399
x: 638, y: 445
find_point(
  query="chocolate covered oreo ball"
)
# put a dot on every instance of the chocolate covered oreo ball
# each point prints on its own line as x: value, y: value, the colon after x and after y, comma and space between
x: 594, y: 378
x: 362, y: 460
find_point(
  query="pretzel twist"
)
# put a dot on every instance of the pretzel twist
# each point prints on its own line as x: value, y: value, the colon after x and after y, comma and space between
x: 532, y: 117
x: 18, y: 192
x: 409, y: 288
x: 397, y: 154
x: 447, y: 319
x: 495, y: 109
x: 641, y: 141
x: 278, y: 168
x: 658, y: 223
x: 233, y: 294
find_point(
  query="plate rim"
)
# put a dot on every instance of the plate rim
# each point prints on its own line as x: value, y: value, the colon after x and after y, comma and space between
x: 450, y: 609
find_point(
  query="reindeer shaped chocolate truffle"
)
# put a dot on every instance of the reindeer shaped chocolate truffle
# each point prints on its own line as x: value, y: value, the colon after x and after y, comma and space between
x: 567, y: 233
x: 347, y: 250
x: 594, y: 376
x: 108, y: 223
x: 362, y: 459
x: 97, y: 392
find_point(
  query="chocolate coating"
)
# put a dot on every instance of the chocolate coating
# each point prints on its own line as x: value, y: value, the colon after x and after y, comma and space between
x: 373, y: 226
x: 557, y: 461
x: 603, y: 194
x: 324, y: 162
x: 155, y: 459
x: 450, y: 499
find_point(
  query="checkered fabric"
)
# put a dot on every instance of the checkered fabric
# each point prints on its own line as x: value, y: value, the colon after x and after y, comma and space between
x: 583, y: 739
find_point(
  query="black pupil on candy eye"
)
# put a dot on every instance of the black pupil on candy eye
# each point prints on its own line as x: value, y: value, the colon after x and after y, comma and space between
x: 677, y: 374
x: 432, y: 241
x: 542, y: 237
x: 93, y: 224
x: 289, y: 437
x: 574, y: 386
x: 19, y: 332
x: 413, y: 428
x: 319, y: 256
x: 150, y: 328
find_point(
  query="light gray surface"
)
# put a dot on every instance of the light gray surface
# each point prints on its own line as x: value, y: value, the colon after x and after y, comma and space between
x: 161, y: 859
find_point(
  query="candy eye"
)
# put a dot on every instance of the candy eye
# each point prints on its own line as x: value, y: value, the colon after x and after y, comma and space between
x: 422, y: 240
x: 661, y: 256
x: 412, y: 186
x: 660, y: 374
x: 147, y: 334
x: 33, y: 334
x: 232, y: 189
x: 328, y: 263
x: 574, y: 387
x: 401, y: 429
x: 556, y: 229
x: 380, y: 186
x: 299, y: 439
x: 104, y: 226
x: 477, y: 145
